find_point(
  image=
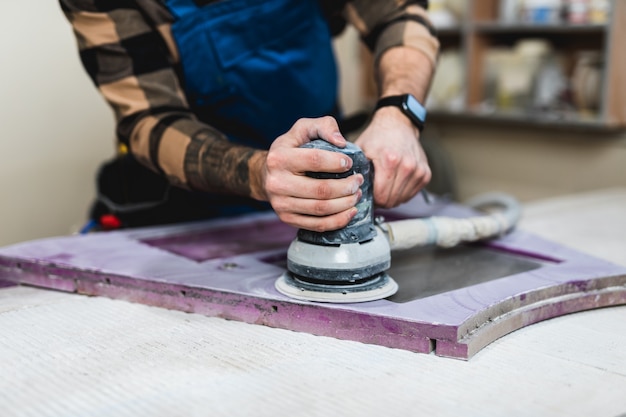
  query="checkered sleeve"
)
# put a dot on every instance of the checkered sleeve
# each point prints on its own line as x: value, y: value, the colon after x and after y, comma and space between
x: 389, y: 23
x: 127, y: 49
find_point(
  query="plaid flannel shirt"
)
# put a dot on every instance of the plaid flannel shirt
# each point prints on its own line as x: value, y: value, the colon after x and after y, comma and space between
x: 128, y: 51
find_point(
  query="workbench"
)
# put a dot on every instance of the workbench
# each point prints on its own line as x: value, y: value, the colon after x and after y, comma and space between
x: 66, y: 354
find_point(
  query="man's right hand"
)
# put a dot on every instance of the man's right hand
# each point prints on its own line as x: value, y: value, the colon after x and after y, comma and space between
x: 301, y: 201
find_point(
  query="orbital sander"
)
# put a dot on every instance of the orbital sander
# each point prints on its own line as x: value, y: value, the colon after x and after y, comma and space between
x: 346, y: 265
x: 349, y: 265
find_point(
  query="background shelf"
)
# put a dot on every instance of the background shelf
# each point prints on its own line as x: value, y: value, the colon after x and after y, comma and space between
x: 590, y: 56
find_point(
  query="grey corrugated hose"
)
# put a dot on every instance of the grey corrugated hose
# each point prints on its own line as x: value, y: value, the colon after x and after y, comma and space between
x: 447, y: 232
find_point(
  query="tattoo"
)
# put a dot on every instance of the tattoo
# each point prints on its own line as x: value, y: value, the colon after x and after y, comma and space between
x: 156, y: 136
x: 212, y: 163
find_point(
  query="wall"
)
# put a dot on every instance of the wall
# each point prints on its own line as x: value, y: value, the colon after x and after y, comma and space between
x: 531, y: 163
x: 55, y: 127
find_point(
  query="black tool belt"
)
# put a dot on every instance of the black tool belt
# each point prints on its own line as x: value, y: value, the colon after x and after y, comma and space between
x: 139, y: 197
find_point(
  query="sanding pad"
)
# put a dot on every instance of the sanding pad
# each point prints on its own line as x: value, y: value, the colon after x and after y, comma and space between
x: 381, y: 286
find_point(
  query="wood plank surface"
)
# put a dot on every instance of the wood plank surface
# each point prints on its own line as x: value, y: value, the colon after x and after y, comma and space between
x: 77, y: 355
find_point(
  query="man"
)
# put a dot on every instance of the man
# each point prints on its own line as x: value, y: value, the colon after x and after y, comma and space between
x: 216, y: 97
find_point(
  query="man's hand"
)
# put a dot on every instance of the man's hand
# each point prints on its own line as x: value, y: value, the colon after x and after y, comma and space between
x: 400, y: 166
x: 301, y: 201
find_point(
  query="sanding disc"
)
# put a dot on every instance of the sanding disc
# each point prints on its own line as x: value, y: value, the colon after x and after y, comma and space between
x: 381, y: 287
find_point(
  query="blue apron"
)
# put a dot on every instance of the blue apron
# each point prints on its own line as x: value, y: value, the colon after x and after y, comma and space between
x: 253, y: 67
x: 250, y: 68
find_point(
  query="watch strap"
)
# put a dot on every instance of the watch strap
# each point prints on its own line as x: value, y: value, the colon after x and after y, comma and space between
x: 400, y: 102
x: 395, y: 101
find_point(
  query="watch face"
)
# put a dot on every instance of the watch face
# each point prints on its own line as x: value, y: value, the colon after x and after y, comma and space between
x: 416, y: 108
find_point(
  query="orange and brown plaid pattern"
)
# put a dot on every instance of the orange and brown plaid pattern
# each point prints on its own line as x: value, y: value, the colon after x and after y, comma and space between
x: 128, y: 51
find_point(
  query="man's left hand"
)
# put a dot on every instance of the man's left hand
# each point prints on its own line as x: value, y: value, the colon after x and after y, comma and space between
x: 400, y: 165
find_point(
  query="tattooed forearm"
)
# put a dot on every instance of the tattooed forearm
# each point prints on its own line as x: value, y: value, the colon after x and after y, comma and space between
x: 214, y: 164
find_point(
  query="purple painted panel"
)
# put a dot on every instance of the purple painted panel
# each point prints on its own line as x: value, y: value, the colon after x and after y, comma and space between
x: 186, y: 267
x: 226, y: 241
x: 5, y: 284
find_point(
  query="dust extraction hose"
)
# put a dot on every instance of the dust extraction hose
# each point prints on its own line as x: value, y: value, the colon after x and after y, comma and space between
x: 448, y: 232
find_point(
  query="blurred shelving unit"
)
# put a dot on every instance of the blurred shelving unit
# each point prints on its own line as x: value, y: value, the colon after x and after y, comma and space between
x: 482, y: 31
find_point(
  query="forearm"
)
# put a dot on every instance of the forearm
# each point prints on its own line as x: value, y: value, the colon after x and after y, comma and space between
x: 153, y: 117
x: 405, y: 53
x: 403, y: 43
x: 191, y: 154
x: 391, y: 140
x: 404, y: 70
x: 217, y: 165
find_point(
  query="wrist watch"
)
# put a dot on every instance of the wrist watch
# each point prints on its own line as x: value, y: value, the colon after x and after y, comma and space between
x: 409, y: 105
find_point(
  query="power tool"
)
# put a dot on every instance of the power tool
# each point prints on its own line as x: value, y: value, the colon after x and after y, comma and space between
x: 349, y: 265
x: 346, y: 265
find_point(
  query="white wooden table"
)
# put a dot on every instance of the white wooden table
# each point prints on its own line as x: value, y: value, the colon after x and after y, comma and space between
x: 69, y: 355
